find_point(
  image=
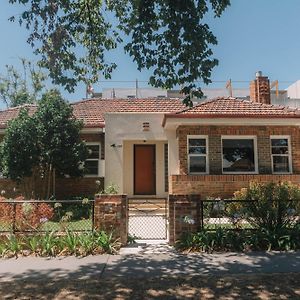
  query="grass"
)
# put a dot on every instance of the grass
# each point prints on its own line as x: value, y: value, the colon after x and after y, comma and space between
x: 79, y: 225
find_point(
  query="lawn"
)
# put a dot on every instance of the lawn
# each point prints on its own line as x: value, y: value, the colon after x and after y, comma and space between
x: 79, y: 225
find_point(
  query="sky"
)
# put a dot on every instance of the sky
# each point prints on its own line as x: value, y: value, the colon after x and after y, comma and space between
x: 252, y: 35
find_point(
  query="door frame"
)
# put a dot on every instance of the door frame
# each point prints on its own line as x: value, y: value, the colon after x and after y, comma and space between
x: 154, y: 169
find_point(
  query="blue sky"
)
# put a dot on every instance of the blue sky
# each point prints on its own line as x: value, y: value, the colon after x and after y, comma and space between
x: 252, y: 34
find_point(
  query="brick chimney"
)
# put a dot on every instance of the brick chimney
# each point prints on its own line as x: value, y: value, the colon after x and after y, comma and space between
x: 260, y: 89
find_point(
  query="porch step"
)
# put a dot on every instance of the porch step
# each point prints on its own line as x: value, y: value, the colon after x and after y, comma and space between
x: 147, y: 205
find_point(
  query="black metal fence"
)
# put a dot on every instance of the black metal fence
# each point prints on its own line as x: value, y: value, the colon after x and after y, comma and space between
x: 244, y: 214
x: 28, y: 216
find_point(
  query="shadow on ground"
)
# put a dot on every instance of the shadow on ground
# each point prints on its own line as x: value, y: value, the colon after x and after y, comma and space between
x: 171, y: 276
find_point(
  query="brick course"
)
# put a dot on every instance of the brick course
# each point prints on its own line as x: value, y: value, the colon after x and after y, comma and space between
x: 262, y: 133
x: 111, y: 214
x: 180, y: 207
x: 220, y: 185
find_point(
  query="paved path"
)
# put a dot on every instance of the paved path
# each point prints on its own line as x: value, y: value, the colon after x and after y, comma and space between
x: 148, y: 261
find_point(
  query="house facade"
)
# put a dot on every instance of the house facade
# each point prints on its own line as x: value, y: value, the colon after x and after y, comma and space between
x: 158, y: 147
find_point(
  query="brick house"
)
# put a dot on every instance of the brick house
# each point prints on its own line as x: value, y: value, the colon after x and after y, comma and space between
x: 158, y: 147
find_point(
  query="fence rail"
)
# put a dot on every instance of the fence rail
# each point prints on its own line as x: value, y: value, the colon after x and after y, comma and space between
x: 29, y: 216
x: 242, y: 214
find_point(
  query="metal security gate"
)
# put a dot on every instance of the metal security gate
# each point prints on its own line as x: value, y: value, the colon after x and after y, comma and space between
x: 148, y: 219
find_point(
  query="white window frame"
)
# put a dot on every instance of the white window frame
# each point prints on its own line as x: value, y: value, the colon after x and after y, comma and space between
x: 203, y: 137
x: 94, y: 159
x: 289, y: 155
x: 241, y: 137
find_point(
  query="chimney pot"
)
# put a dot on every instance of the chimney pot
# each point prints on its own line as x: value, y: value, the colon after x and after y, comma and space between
x: 258, y: 74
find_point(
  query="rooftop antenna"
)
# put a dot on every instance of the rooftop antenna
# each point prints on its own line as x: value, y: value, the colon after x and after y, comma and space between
x: 275, y: 84
x: 229, y: 87
x: 89, y: 91
x: 136, y: 88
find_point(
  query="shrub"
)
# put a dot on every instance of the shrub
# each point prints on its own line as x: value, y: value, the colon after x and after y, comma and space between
x: 244, y: 240
x: 269, y: 206
x: 75, y: 211
x: 50, y: 244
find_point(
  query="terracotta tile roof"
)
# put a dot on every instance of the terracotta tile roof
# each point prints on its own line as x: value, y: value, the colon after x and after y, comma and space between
x: 91, y: 111
x: 11, y: 113
x: 235, y: 108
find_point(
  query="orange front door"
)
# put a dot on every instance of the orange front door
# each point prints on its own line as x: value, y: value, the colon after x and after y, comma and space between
x: 144, y: 170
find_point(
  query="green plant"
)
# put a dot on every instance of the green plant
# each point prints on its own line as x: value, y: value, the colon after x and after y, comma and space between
x: 272, y: 206
x: 242, y: 240
x: 71, y: 242
x: 86, y: 243
x: 111, y: 189
x: 33, y: 244
x: 49, y: 246
x: 107, y: 242
x: 14, y: 245
x: 48, y: 148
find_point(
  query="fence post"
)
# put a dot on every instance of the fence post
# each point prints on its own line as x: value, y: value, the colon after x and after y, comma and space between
x: 93, y: 215
x: 202, y: 215
x: 14, y: 217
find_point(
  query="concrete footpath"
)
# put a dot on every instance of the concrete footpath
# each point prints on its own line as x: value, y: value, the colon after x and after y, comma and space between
x: 147, y: 261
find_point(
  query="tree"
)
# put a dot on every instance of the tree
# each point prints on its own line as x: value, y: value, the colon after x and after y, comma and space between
x: 18, y: 89
x: 169, y: 37
x: 36, y: 148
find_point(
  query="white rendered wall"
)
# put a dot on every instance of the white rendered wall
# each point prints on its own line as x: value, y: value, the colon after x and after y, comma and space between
x: 122, y: 131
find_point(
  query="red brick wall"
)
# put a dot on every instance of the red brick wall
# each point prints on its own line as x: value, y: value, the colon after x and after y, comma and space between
x: 180, y: 207
x: 220, y: 185
x: 74, y: 187
x: 111, y: 214
x: 263, y: 134
x: 260, y: 90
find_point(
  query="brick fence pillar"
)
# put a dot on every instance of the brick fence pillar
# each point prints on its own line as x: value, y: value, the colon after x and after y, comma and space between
x: 184, y: 215
x: 111, y: 214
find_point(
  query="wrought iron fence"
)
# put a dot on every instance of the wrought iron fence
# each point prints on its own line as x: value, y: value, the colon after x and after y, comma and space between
x: 244, y: 214
x: 28, y: 216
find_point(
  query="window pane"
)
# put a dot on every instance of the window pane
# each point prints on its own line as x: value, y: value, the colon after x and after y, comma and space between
x: 280, y: 150
x: 91, y: 167
x: 238, y: 155
x: 93, y: 151
x: 281, y: 164
x: 197, y: 164
x: 197, y: 142
x: 279, y: 142
x: 197, y: 150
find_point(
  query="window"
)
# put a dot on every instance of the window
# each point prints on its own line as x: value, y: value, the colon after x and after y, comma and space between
x: 197, y: 154
x: 281, y: 154
x: 91, y: 166
x: 239, y: 154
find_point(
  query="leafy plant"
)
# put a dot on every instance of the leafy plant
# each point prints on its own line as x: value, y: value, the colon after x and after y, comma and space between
x: 33, y: 244
x: 48, y: 147
x: 107, y: 242
x: 164, y: 37
x: 86, y: 243
x: 13, y: 245
x: 111, y: 189
x: 71, y: 242
x: 49, y: 244
x: 269, y: 206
